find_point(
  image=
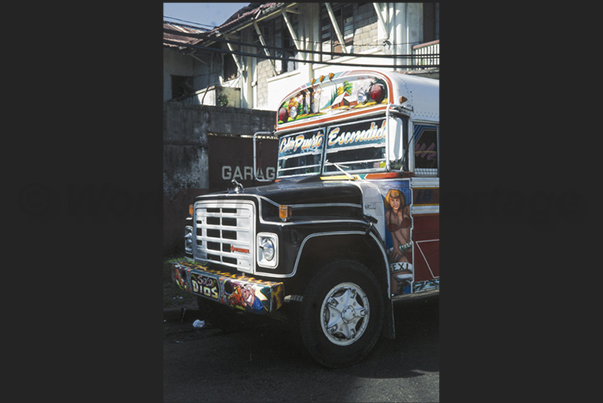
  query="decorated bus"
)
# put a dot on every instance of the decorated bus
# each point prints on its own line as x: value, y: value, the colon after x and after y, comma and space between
x: 349, y: 225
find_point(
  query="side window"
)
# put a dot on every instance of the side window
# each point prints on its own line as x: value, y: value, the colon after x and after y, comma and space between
x: 426, y: 150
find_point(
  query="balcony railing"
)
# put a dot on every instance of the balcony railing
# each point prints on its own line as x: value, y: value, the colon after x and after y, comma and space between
x: 427, y: 55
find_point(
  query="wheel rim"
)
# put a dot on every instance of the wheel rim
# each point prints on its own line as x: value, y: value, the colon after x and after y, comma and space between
x: 345, y: 314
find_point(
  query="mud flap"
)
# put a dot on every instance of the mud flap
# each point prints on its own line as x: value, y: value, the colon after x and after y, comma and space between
x: 403, y: 273
x: 389, y: 328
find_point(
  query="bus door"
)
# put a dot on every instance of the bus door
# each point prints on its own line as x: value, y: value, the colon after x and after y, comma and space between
x: 426, y: 208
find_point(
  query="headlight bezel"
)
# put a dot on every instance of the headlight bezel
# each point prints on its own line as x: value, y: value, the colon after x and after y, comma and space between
x: 266, y: 242
x: 188, y: 240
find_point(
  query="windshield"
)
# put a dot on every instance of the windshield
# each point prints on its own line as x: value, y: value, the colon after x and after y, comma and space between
x: 300, y: 153
x: 355, y: 146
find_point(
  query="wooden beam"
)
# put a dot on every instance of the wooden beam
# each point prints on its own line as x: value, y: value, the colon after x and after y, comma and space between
x: 337, y: 30
x: 292, y: 32
x: 236, y: 59
x: 266, y: 51
x: 380, y: 18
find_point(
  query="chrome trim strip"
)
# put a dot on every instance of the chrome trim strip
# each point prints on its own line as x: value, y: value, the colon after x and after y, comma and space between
x: 313, y: 205
x: 334, y: 233
x: 419, y: 182
x: 261, y: 216
x: 284, y: 224
x: 331, y: 233
x: 425, y: 209
x: 429, y: 293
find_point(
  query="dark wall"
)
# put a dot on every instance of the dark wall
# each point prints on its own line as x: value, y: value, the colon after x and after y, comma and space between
x: 232, y: 158
x: 202, y: 152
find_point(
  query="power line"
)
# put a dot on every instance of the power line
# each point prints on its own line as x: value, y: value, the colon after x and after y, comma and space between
x: 263, y: 56
x: 334, y: 54
x: 204, y: 36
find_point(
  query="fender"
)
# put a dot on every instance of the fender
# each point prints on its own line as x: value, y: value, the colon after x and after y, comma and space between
x: 389, y: 325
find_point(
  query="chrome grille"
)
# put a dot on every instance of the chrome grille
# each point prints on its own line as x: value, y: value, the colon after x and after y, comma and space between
x: 225, y: 233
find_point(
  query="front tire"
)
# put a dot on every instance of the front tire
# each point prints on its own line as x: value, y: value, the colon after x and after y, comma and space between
x: 341, y: 314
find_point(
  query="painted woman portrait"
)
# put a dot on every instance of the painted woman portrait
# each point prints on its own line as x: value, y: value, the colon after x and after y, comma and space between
x: 398, y: 223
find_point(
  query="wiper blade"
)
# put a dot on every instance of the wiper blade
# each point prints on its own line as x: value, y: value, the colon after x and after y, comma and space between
x: 341, y: 169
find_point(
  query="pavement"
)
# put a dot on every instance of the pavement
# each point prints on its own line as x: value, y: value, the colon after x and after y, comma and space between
x: 200, y: 364
x: 182, y: 314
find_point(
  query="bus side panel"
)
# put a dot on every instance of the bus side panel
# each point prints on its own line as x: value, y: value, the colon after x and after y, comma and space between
x: 426, y: 239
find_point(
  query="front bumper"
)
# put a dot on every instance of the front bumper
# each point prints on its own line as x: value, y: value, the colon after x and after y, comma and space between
x: 239, y: 292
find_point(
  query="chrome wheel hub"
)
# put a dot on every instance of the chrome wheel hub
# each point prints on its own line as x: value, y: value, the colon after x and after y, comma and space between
x: 345, y: 314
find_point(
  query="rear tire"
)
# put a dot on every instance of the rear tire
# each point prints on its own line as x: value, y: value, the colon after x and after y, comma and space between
x: 342, y: 313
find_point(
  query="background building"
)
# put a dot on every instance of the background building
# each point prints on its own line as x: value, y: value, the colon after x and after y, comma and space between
x: 221, y: 86
x: 265, y: 50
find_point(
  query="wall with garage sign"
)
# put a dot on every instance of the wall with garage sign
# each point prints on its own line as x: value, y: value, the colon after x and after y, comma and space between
x: 203, y: 151
x: 232, y: 158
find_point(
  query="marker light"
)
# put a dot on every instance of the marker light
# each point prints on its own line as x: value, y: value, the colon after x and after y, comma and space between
x: 284, y: 212
x: 377, y: 93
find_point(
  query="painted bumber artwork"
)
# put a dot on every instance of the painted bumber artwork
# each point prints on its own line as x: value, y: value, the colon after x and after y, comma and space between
x: 332, y: 94
x: 239, y: 292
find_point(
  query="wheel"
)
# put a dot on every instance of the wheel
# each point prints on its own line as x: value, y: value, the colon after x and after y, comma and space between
x: 341, y: 314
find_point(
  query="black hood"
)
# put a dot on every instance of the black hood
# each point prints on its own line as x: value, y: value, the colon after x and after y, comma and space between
x: 310, y: 197
x: 305, y: 190
x: 308, y: 191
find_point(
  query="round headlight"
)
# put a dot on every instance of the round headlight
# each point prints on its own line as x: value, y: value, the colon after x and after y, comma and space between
x: 267, y: 249
x: 188, y: 239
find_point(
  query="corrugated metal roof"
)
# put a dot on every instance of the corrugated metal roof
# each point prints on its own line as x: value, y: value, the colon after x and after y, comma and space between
x: 250, y: 12
x: 253, y: 10
x: 184, y: 40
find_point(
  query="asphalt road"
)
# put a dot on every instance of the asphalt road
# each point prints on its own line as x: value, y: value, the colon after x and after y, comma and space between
x: 265, y: 364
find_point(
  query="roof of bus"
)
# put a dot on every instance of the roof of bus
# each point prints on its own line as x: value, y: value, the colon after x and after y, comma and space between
x: 358, y: 92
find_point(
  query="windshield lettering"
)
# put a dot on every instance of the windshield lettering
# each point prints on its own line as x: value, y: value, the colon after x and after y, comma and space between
x: 370, y: 135
x: 291, y: 145
x: 300, y: 153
